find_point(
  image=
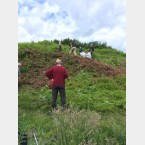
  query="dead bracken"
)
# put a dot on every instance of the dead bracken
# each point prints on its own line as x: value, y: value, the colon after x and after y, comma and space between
x: 34, y: 63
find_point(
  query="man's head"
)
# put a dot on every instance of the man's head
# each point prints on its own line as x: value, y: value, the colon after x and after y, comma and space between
x: 58, y: 61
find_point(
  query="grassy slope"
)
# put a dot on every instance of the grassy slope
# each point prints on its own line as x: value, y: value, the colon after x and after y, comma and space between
x: 101, y: 94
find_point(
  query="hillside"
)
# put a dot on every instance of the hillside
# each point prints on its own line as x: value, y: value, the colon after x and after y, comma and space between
x: 37, y: 62
x: 96, y: 91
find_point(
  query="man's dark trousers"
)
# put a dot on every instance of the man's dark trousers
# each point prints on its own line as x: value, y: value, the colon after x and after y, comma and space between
x: 61, y: 91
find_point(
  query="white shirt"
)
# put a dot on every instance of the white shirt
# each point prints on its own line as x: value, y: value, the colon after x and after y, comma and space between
x: 83, y: 54
x: 88, y: 55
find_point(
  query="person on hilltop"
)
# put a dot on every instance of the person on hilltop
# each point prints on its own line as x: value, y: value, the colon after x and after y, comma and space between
x: 82, y: 53
x: 80, y: 49
x: 58, y: 73
x: 88, y: 54
x: 73, y: 49
x: 91, y: 48
x: 59, y: 47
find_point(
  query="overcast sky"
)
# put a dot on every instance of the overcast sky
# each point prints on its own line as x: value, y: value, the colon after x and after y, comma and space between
x: 84, y: 20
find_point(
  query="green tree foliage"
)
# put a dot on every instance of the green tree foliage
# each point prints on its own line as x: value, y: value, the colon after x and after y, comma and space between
x: 66, y: 41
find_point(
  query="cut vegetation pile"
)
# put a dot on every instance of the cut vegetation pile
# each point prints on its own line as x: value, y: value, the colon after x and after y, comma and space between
x: 35, y: 63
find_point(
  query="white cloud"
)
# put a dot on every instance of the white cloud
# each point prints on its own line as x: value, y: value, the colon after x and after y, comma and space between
x: 93, y: 20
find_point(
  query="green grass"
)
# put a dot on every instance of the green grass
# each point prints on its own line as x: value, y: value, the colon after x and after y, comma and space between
x: 107, y: 100
x: 42, y: 46
x: 110, y: 56
x: 101, y: 94
x: 72, y: 127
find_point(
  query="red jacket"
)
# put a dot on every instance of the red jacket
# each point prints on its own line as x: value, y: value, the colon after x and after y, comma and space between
x: 59, y: 74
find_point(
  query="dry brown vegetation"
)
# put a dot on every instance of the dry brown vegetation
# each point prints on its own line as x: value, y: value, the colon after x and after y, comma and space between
x: 34, y: 63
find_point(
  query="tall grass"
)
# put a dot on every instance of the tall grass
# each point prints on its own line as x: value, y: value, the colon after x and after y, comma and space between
x: 76, y: 127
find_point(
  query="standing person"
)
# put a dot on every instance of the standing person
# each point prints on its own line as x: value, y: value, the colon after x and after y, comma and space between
x: 59, y: 47
x: 58, y: 73
x: 80, y: 49
x: 19, y: 69
x: 92, y: 48
x: 73, y: 49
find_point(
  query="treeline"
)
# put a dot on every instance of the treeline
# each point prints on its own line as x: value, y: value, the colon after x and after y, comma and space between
x: 67, y: 41
x: 77, y: 43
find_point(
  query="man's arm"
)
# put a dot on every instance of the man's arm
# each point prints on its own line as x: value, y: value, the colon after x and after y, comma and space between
x: 48, y: 73
x: 65, y: 74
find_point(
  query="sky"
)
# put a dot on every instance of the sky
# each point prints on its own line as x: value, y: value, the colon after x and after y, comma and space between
x: 84, y: 20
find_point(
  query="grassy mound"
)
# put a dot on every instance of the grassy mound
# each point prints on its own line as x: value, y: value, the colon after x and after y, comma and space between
x: 95, y: 91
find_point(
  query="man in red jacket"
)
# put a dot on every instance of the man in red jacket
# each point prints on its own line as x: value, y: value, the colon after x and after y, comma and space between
x: 58, y: 73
